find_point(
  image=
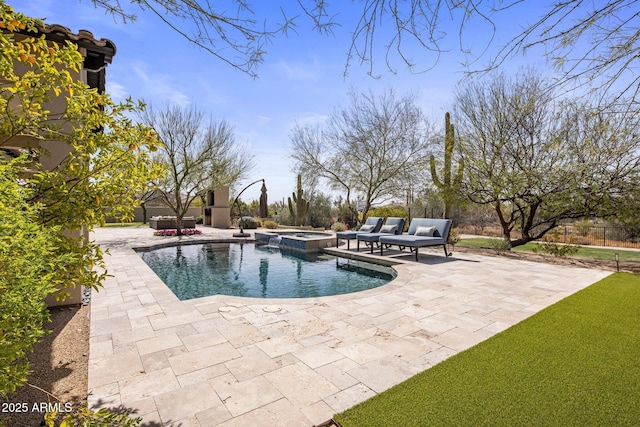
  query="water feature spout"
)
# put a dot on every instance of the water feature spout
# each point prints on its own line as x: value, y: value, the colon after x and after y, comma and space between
x: 275, y: 241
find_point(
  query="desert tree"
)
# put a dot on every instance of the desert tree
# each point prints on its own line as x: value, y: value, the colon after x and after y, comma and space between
x: 197, y: 154
x: 370, y: 150
x: 539, y: 160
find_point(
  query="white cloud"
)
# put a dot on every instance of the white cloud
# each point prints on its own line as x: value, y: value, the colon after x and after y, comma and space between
x: 297, y: 71
x: 311, y: 119
x: 263, y: 120
x: 117, y: 91
x: 159, y: 88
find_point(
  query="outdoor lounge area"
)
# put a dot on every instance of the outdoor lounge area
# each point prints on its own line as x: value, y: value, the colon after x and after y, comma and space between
x: 170, y: 222
x: 371, y: 225
x: 235, y: 361
x: 392, y: 226
x: 423, y: 232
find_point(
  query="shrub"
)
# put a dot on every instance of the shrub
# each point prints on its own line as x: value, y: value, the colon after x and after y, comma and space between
x: 454, y: 237
x: 338, y: 226
x: 272, y: 225
x: 551, y: 246
x: 387, y: 211
x: 582, y: 227
x: 390, y: 211
x: 248, y: 222
x: 28, y: 261
x: 501, y: 245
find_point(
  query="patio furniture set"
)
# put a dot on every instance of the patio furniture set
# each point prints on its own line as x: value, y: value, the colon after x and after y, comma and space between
x: 170, y: 222
x: 422, y: 232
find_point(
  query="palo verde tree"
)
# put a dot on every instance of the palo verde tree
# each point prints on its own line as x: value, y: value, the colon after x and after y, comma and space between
x: 196, y: 155
x: 369, y: 150
x: 539, y: 160
x: 105, y: 163
x: 449, y: 187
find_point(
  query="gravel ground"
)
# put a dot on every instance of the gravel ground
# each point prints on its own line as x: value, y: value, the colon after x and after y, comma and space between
x: 59, y: 364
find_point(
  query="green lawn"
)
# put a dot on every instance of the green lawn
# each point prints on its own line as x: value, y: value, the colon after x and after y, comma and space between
x: 583, y: 251
x: 123, y: 224
x: 576, y: 363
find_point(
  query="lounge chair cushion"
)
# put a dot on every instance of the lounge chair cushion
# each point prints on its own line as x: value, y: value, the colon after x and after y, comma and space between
x: 411, y: 240
x: 367, y: 228
x: 390, y: 229
x: 426, y: 231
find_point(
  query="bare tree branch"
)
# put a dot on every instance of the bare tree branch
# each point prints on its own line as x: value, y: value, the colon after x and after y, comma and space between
x: 197, y: 156
x: 369, y: 149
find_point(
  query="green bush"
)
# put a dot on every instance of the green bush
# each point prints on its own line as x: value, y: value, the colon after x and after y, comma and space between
x: 248, y: 222
x: 338, y: 226
x: 390, y: 211
x: 387, y: 211
x: 272, y: 225
x: 582, y: 227
x: 28, y: 263
x: 501, y: 245
x: 454, y: 237
x: 551, y: 246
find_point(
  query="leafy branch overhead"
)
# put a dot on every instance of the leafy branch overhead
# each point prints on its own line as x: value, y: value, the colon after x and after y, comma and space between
x: 594, y: 45
x: 237, y: 38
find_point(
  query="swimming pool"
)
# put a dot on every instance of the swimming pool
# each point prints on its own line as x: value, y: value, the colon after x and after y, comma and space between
x: 260, y: 271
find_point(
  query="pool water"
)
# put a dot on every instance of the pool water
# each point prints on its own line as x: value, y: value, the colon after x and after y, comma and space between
x: 261, y: 271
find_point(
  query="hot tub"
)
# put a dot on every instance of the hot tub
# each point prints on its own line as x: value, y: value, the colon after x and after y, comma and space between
x: 300, y: 240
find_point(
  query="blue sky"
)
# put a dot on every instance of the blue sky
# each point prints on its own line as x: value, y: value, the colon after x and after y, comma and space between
x: 301, y: 79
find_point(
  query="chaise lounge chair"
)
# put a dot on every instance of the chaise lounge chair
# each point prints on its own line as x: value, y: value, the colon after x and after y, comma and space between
x: 371, y: 225
x: 422, y: 232
x: 393, y: 226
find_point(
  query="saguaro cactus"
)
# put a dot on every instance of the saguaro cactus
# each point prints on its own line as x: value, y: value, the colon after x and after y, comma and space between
x: 449, y: 189
x: 302, y: 205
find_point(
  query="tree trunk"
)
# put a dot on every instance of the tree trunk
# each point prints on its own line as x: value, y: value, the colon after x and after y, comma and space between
x: 143, y: 205
x: 179, y: 225
x: 506, y: 229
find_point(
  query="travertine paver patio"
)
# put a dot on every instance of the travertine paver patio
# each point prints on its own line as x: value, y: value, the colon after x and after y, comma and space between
x: 236, y: 361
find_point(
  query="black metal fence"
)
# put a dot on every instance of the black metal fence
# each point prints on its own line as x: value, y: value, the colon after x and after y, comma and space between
x: 596, y: 235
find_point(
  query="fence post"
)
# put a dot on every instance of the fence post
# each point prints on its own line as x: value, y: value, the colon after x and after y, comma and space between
x: 565, y: 233
x: 604, y: 236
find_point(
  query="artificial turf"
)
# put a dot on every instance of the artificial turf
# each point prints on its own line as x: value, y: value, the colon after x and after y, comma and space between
x: 575, y: 363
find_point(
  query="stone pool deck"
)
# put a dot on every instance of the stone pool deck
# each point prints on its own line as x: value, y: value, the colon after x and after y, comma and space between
x: 234, y: 361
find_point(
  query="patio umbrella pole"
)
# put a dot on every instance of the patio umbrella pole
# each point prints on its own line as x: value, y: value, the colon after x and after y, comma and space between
x: 235, y: 201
